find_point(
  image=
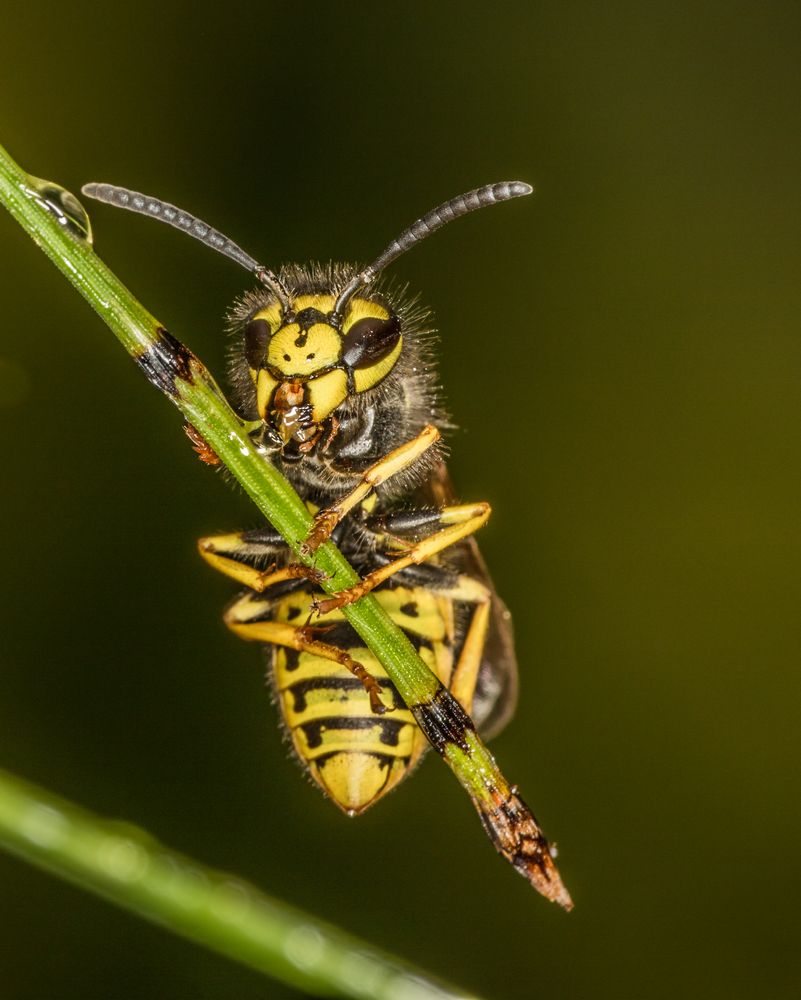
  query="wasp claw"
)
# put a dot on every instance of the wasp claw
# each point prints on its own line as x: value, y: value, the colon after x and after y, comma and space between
x: 310, y: 632
x: 314, y: 610
x: 328, y: 604
x: 320, y: 575
x: 377, y: 706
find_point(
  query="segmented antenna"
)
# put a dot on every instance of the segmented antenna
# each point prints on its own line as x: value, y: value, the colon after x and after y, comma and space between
x: 145, y: 205
x: 490, y: 194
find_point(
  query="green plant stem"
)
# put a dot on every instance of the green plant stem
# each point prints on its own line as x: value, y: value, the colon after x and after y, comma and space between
x: 130, y: 868
x: 191, y: 387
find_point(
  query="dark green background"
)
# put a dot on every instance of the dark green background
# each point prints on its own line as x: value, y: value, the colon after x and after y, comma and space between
x: 623, y: 355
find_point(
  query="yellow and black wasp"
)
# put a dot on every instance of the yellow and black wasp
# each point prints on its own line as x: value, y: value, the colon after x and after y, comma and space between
x: 333, y: 366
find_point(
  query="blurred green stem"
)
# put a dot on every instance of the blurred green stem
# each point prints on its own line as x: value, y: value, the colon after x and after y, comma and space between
x: 125, y: 865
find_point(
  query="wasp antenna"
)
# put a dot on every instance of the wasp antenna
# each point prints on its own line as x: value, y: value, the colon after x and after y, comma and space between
x: 155, y: 208
x: 490, y: 194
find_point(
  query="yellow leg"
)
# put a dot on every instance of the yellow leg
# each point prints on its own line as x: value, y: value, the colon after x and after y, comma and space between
x: 397, y: 460
x: 460, y: 522
x: 281, y: 634
x: 462, y: 683
x: 467, y: 589
x: 465, y: 673
x: 233, y: 556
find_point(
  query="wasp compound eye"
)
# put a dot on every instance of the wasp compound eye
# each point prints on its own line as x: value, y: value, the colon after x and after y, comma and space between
x: 369, y: 341
x: 257, y: 334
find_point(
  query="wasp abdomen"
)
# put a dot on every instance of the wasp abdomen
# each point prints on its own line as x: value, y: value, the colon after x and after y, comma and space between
x: 355, y: 755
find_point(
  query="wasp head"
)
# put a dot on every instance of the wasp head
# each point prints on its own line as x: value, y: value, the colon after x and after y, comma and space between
x: 305, y: 361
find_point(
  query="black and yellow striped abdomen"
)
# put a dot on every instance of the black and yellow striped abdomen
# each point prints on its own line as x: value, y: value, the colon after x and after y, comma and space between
x: 353, y: 754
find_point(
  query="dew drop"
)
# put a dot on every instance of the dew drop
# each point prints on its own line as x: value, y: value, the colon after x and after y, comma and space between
x: 64, y: 206
x: 123, y: 860
x: 304, y: 947
x: 406, y: 987
x: 362, y: 975
x: 44, y: 826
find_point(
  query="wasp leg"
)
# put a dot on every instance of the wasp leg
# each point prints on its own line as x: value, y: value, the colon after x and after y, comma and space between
x: 465, y: 673
x: 459, y: 522
x: 282, y: 634
x: 467, y: 589
x: 397, y: 460
x: 242, y: 555
x: 461, y: 678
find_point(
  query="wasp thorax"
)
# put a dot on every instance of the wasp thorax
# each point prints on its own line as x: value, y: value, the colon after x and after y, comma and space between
x: 305, y: 364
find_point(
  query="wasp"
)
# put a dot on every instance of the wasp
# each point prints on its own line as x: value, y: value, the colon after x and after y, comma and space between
x: 333, y: 368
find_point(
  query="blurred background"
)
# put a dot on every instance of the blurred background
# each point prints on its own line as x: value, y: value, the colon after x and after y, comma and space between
x: 623, y: 357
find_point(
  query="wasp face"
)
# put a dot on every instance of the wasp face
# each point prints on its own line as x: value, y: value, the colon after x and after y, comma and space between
x: 305, y: 363
x: 307, y: 350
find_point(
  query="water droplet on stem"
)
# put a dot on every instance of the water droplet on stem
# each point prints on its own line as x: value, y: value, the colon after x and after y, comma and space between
x: 64, y: 206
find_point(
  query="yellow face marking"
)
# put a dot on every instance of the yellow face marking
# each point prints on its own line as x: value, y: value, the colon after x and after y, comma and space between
x: 272, y: 314
x: 362, y: 309
x: 319, y: 348
x: 366, y: 378
x: 265, y: 386
x: 322, y: 303
x: 357, y: 309
x: 326, y: 392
